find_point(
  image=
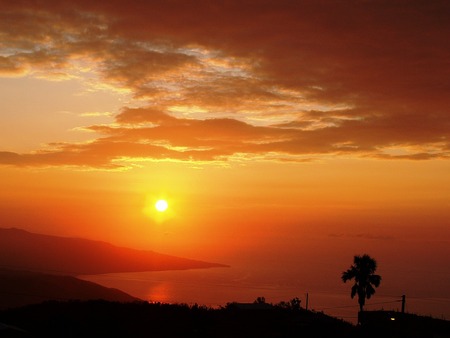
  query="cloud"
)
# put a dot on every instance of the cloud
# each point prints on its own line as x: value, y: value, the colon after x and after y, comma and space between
x: 214, y: 81
x: 151, y: 134
x: 144, y: 115
x: 362, y: 236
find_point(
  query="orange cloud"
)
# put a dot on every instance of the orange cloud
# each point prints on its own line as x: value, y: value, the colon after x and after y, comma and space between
x: 173, y: 138
x: 217, y: 80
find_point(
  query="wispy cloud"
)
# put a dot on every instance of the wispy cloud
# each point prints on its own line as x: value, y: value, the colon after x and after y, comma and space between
x: 368, y: 236
x: 96, y: 114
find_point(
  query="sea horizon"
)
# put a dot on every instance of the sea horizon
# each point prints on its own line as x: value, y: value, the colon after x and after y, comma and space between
x: 216, y: 287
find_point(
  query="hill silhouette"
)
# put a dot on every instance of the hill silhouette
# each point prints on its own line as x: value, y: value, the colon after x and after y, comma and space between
x: 100, y: 318
x: 23, y: 250
x: 19, y: 288
x: 143, y: 319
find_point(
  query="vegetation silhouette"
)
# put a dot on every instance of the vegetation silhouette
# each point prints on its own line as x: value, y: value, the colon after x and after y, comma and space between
x: 100, y: 318
x: 363, y: 272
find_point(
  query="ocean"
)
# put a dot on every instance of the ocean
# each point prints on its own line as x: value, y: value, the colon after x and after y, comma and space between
x: 218, y: 286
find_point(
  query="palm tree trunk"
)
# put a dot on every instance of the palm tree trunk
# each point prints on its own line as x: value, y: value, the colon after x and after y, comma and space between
x: 361, y: 301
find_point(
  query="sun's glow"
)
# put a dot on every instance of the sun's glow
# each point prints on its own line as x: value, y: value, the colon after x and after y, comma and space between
x: 161, y: 205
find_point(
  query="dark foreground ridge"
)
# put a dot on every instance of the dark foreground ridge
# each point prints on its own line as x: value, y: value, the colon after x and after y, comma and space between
x: 142, y: 319
x: 23, y: 250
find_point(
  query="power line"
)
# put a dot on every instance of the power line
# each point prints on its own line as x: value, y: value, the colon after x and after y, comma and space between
x: 338, y: 307
x: 378, y: 303
x: 351, y: 306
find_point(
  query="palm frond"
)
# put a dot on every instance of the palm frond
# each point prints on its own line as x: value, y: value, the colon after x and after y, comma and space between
x: 349, y: 274
x: 369, y: 291
x: 375, y: 280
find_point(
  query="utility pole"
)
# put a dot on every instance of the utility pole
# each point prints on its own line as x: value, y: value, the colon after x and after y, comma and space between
x: 403, y: 303
x: 307, y: 300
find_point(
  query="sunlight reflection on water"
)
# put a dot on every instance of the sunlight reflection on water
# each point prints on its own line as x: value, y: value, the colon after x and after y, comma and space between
x: 219, y: 286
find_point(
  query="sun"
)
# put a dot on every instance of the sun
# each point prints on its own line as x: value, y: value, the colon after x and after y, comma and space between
x: 161, y: 205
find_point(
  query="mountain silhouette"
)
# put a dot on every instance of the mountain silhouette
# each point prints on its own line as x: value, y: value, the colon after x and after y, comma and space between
x: 23, y: 250
x: 19, y: 288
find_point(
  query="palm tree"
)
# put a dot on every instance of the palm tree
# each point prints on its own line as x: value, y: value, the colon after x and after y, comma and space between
x: 363, y: 272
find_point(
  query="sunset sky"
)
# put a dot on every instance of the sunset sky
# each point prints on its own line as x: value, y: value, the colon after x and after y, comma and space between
x: 279, y: 132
